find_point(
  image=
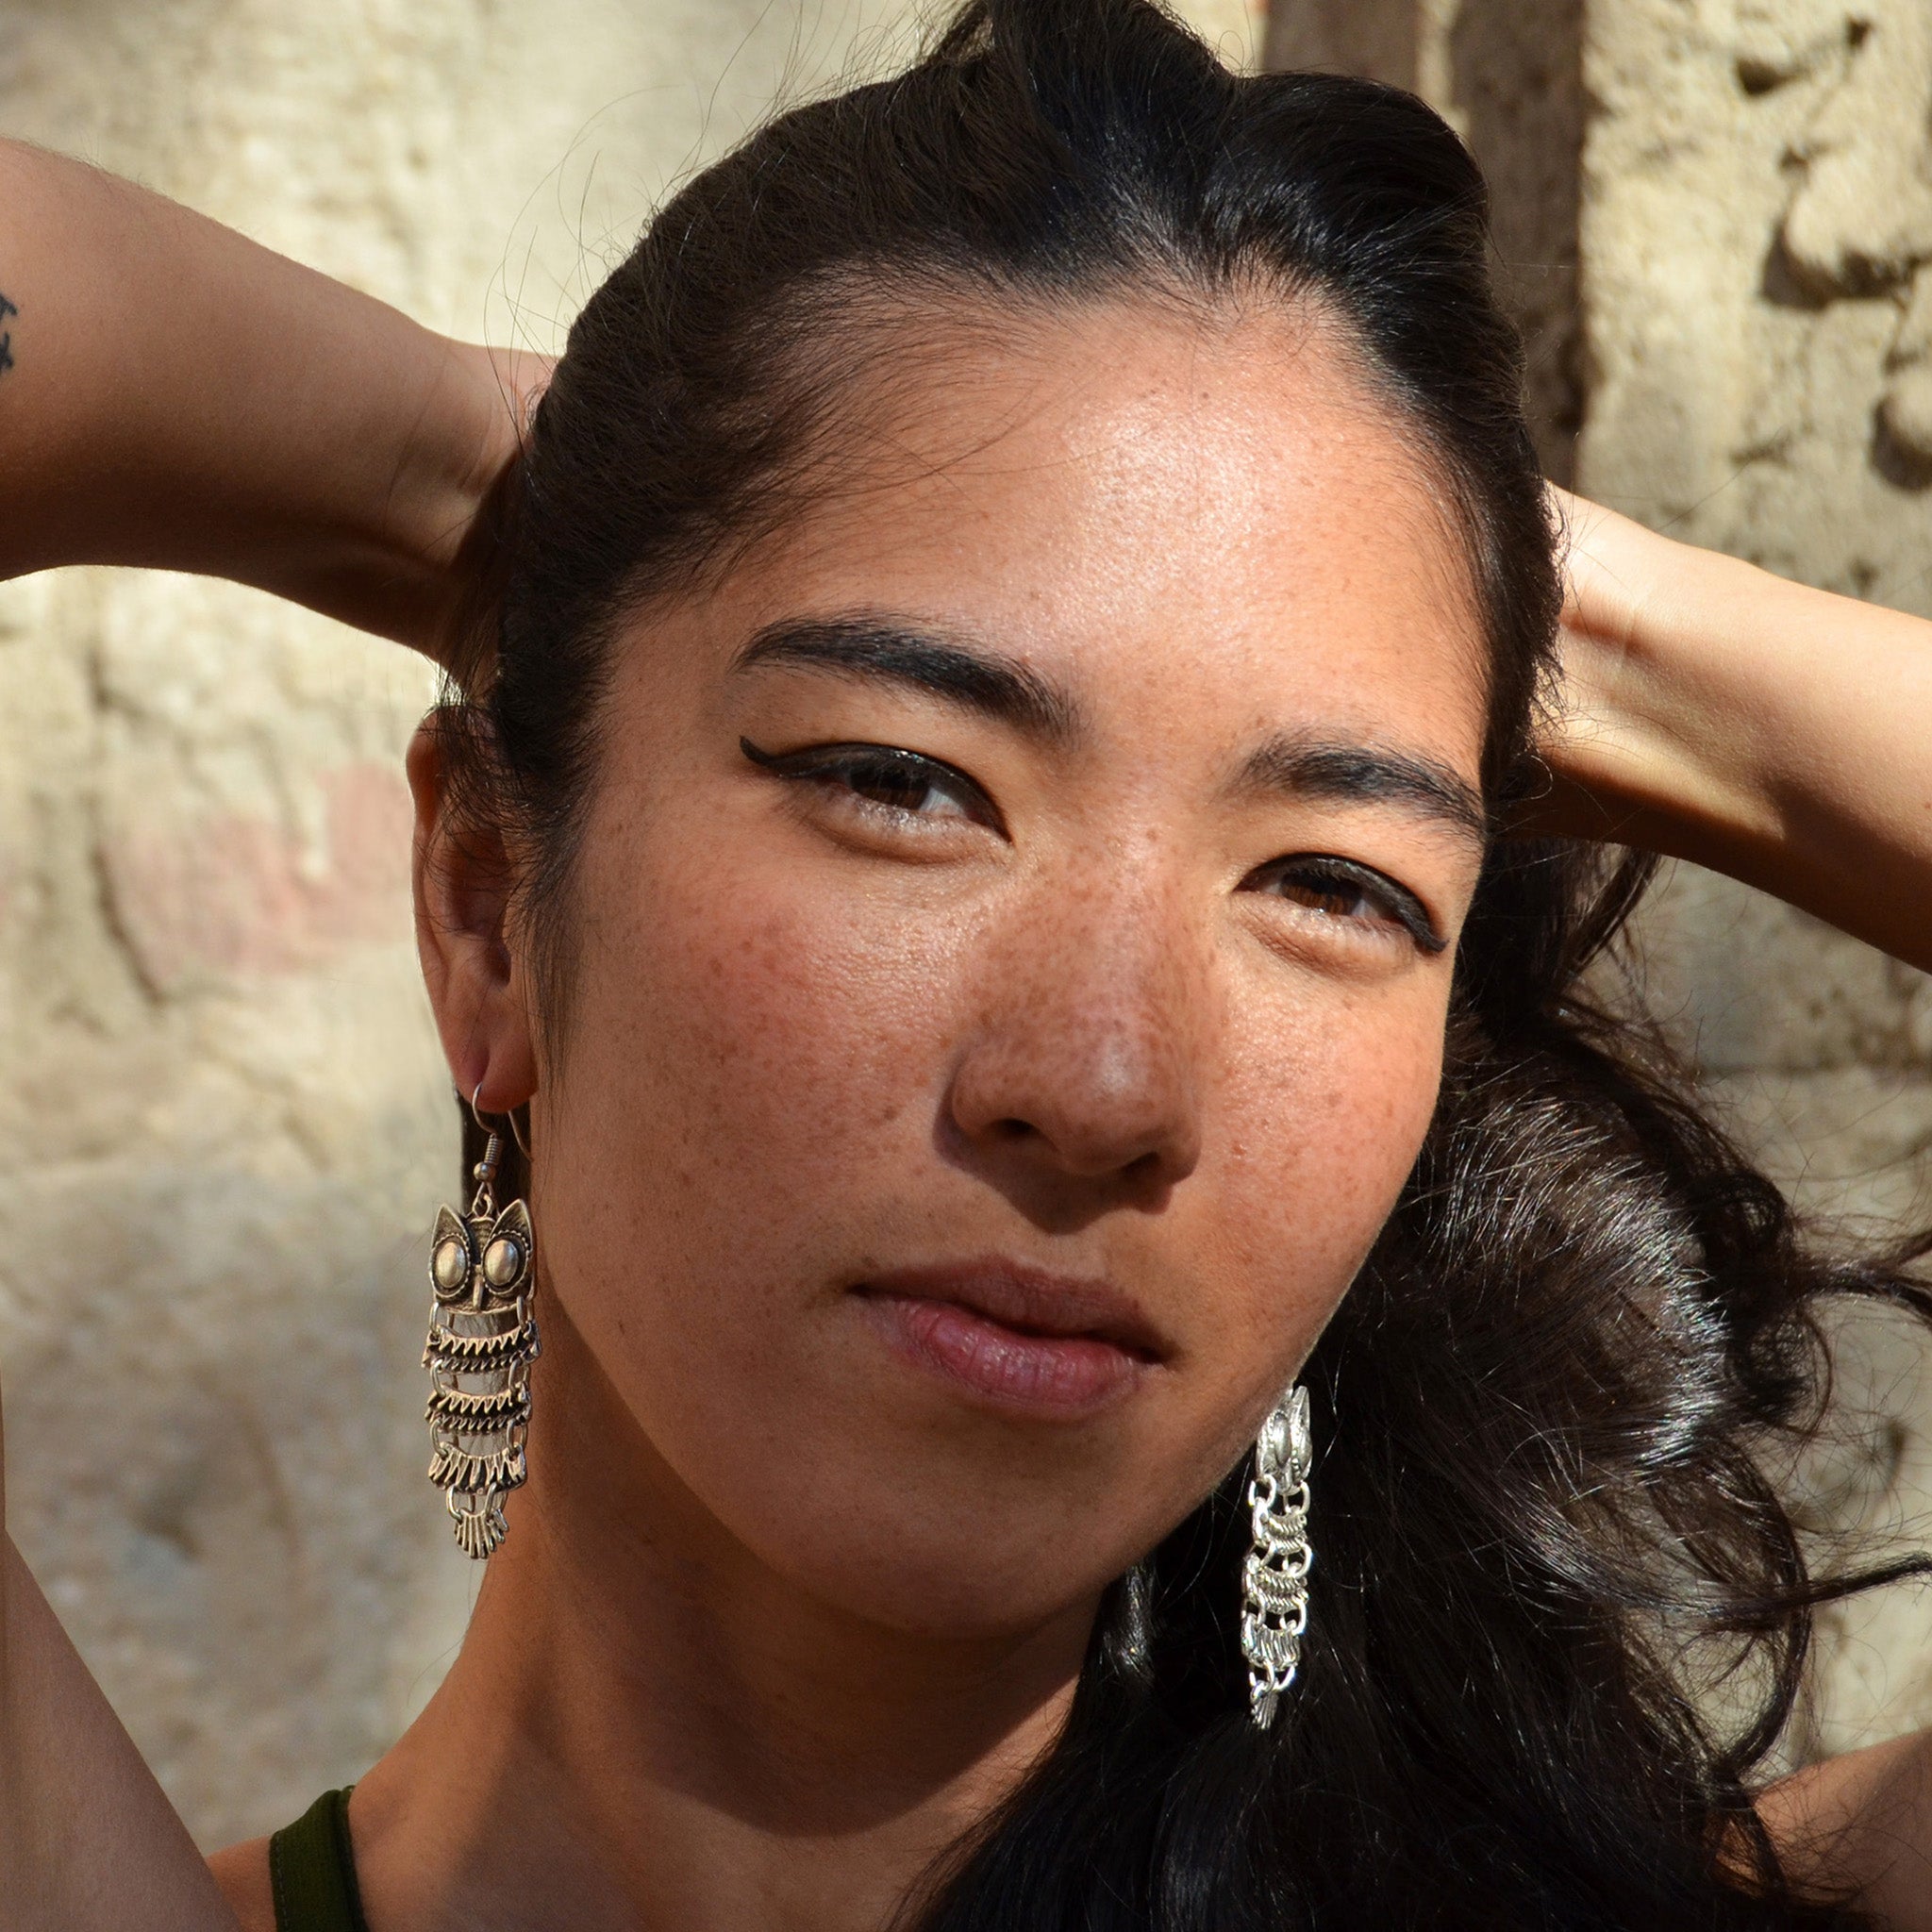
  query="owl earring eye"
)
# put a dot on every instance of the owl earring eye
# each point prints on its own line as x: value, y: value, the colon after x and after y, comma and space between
x: 506, y: 1251
x: 450, y: 1259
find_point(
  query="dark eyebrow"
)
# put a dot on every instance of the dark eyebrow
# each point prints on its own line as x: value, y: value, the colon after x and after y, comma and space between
x: 900, y: 652
x: 1366, y: 774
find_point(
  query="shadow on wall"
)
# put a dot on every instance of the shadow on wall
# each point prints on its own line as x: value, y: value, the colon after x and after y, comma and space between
x: 1510, y: 75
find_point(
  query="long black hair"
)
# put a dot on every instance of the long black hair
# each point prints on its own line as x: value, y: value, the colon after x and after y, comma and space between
x: 1546, y: 1402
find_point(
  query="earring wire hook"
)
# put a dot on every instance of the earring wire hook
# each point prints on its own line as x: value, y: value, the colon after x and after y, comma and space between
x: 516, y: 1133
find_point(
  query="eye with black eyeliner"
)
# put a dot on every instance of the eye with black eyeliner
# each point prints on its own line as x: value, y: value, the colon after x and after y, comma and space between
x: 885, y: 778
x: 1342, y: 890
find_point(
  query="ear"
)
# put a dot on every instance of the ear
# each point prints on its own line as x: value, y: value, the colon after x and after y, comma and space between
x: 479, y: 989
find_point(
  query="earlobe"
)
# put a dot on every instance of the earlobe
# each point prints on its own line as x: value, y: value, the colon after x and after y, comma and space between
x: 478, y: 989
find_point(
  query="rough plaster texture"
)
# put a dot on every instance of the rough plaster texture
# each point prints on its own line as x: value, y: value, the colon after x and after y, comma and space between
x: 227, y: 1115
x: 1757, y: 230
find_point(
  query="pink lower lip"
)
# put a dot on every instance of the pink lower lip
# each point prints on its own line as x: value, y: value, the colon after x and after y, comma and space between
x: 1045, y: 1374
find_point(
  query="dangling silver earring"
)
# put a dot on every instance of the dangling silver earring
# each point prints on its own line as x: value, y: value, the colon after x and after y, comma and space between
x: 1275, y: 1578
x: 482, y: 1341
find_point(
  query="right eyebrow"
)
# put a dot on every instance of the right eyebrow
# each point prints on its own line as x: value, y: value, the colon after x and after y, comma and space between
x: 898, y: 651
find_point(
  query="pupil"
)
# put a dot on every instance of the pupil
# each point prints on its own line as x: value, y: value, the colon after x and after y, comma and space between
x: 889, y: 786
x: 1337, y: 898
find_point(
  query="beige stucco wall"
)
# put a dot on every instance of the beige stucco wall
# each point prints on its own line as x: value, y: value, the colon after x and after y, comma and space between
x: 226, y: 1118
x: 226, y: 1114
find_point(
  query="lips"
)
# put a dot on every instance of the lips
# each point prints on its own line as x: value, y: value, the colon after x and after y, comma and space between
x: 1016, y: 1336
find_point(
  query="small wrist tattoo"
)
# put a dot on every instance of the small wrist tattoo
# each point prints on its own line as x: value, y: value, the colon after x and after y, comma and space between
x: 6, y: 309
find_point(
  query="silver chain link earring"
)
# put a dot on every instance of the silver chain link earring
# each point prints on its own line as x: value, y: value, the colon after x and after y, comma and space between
x: 482, y: 1341
x: 1275, y: 1578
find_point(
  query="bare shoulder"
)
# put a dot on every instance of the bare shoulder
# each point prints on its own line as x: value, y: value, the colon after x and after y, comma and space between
x: 241, y: 1872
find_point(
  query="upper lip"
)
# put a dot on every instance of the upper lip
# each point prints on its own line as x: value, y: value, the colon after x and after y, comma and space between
x: 1032, y: 1300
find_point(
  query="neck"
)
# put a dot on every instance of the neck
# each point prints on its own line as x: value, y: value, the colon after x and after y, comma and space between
x: 648, y: 1727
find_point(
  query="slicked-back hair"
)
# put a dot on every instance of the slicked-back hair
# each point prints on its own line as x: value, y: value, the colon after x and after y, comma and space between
x: 1545, y: 1404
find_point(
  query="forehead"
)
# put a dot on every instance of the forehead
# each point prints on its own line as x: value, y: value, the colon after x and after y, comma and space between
x: 1215, y: 510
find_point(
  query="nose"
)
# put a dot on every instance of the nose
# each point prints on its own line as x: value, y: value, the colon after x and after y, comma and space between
x: 1088, y: 1058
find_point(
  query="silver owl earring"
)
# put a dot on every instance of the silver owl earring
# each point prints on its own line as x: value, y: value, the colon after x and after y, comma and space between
x: 1275, y: 1578
x: 482, y: 1341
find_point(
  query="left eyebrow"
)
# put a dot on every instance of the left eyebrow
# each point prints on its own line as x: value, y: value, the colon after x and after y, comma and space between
x: 1353, y: 774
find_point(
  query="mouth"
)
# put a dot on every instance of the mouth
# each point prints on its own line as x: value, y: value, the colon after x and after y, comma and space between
x: 1017, y: 1338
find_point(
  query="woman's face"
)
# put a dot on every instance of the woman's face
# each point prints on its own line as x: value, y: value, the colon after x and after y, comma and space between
x: 1013, y: 934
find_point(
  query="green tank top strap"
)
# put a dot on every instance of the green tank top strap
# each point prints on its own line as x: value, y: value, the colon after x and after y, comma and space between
x: 312, y: 1866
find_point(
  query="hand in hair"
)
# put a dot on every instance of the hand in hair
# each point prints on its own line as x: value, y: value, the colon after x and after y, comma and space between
x: 1715, y: 712
x: 1711, y: 710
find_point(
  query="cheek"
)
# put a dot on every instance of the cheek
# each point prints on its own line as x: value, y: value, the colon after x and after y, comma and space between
x: 1339, y: 1100
x: 1326, y: 1106
x: 789, y: 1034
x: 747, y: 1053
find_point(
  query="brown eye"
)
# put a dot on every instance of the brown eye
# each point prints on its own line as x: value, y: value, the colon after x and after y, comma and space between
x: 1324, y: 893
x: 902, y: 782
x: 1351, y: 894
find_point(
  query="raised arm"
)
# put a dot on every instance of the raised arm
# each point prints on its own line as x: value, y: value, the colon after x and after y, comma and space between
x: 1761, y: 728
x: 172, y: 395
x: 1784, y: 736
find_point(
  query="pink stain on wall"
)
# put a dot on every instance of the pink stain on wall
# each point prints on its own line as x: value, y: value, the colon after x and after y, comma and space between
x: 238, y: 896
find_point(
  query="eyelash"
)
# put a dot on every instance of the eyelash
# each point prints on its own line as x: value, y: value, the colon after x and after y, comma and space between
x: 1319, y: 874
x: 885, y: 768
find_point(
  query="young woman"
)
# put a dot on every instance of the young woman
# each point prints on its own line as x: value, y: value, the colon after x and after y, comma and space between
x: 1011, y: 835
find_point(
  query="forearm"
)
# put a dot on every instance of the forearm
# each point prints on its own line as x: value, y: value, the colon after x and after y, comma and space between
x: 88, y: 1841
x: 1760, y: 728
x: 176, y: 396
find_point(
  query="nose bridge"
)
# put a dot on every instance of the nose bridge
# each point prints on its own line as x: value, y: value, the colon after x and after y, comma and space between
x: 1094, y: 1022
x: 1129, y: 974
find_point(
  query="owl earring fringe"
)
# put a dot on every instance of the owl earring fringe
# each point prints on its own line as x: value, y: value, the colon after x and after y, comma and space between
x: 482, y: 1341
x: 1275, y: 1578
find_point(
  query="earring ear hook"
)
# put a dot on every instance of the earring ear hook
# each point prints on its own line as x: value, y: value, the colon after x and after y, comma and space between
x: 483, y: 1126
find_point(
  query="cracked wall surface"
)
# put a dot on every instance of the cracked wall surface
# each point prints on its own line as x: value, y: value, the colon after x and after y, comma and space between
x: 227, y: 1119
